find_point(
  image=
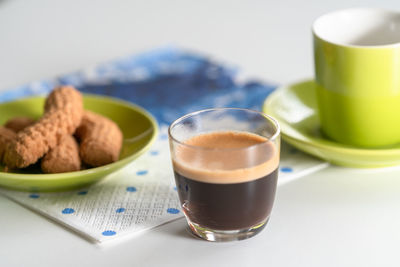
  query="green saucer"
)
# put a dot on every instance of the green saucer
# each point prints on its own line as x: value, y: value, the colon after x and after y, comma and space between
x: 138, y: 126
x: 295, y: 107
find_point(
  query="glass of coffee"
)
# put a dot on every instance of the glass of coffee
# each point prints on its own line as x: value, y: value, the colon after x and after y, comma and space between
x: 225, y: 162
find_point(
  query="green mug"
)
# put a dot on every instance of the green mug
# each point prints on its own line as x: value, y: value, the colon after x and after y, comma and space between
x: 357, y: 68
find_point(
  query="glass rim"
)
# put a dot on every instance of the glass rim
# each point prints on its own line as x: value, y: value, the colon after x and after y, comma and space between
x: 268, y: 117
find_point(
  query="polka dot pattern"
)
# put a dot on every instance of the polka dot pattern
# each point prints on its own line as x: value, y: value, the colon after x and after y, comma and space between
x: 67, y: 211
x: 154, y: 153
x: 109, y: 233
x: 142, y: 172
x: 120, y: 210
x: 131, y: 189
x: 286, y: 169
x: 172, y: 210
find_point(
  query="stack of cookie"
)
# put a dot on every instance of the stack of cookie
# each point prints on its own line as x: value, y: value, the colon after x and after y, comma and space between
x: 64, y: 137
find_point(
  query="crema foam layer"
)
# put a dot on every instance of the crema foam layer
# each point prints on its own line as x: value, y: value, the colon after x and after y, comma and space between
x: 226, y: 157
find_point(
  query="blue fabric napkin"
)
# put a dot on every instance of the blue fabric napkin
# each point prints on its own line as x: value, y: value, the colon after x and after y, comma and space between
x: 169, y: 82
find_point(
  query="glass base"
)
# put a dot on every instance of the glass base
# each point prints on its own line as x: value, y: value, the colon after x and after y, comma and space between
x: 225, y: 235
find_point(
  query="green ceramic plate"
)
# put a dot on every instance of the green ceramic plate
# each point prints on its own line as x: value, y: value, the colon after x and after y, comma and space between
x: 295, y: 108
x: 138, y: 126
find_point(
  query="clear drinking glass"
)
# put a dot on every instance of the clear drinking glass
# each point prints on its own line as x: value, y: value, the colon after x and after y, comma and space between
x: 225, y: 163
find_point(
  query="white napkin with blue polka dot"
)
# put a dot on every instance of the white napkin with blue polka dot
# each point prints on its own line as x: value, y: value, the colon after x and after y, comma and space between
x: 136, y: 198
x: 140, y: 196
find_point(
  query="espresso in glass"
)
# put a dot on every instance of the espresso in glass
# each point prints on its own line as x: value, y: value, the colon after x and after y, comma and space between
x: 226, y: 178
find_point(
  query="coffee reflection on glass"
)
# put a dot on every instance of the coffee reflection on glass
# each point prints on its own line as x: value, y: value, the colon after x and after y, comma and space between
x: 226, y: 168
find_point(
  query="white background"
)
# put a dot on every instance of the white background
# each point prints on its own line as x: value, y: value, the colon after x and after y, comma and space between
x: 337, y: 217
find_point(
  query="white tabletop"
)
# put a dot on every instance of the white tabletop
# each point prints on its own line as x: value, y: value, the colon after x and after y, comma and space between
x: 336, y: 217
